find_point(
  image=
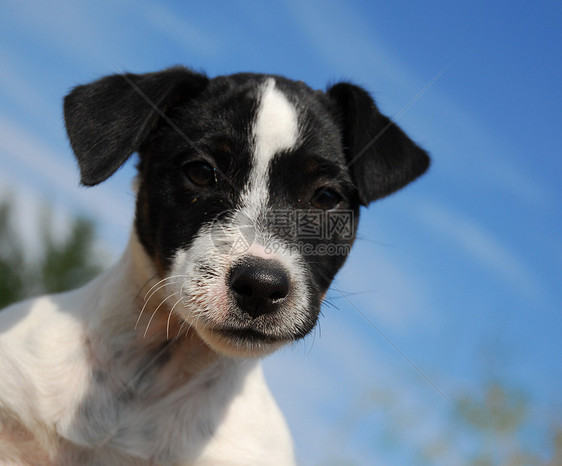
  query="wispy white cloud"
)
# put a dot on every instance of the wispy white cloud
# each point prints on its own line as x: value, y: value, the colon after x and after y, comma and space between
x: 384, y: 289
x: 77, y: 30
x: 474, y: 154
x: 25, y: 156
x: 22, y: 147
x: 17, y: 88
x: 175, y: 26
x: 480, y: 245
x: 346, y: 42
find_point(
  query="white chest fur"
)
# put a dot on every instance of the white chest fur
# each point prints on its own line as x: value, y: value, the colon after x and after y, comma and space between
x: 81, y: 386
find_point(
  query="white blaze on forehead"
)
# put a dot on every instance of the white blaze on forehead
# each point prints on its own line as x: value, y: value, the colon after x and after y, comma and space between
x: 206, y: 299
x: 275, y: 129
x: 276, y: 125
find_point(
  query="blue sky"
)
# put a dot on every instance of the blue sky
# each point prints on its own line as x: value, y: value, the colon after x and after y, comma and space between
x: 454, y: 280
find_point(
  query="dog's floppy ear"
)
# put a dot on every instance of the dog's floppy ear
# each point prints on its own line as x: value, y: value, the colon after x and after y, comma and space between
x: 381, y: 158
x: 109, y: 119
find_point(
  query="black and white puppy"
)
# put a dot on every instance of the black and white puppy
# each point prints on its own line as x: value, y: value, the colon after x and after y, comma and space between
x: 248, y: 195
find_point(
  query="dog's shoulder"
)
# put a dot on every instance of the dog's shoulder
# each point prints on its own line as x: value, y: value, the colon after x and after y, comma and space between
x: 36, y: 338
x: 25, y: 316
x: 39, y: 328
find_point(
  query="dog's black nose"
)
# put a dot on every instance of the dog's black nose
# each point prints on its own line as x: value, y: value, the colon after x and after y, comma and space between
x: 259, y: 285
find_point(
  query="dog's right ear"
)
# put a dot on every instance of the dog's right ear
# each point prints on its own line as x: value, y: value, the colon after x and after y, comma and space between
x: 109, y: 119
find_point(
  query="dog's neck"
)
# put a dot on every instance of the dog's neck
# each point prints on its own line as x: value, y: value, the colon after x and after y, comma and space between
x: 132, y: 328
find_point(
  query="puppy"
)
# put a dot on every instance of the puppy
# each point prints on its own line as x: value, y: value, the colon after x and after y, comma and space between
x: 248, y: 195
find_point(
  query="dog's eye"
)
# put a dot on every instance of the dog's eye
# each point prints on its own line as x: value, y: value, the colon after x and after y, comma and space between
x: 325, y: 199
x: 200, y: 173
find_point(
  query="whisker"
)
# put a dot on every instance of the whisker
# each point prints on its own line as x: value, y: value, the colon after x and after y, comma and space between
x: 170, y: 316
x: 181, y: 299
x: 146, y: 300
x: 316, y: 331
x: 154, y: 277
x: 330, y: 304
x: 197, y: 318
x: 156, y: 310
x: 161, y: 281
x: 182, y: 326
x: 353, y: 293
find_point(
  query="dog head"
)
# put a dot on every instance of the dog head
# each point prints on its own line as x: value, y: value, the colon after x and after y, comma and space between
x: 249, y: 189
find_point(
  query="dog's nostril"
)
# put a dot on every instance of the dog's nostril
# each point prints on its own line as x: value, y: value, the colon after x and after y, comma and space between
x: 243, y: 290
x: 258, y: 285
x: 278, y: 295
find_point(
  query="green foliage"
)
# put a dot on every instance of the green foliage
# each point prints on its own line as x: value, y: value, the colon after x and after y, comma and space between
x: 496, y: 418
x: 499, y: 411
x: 495, y: 423
x: 491, y: 426
x: 61, y: 264
x: 69, y: 264
x: 12, y: 272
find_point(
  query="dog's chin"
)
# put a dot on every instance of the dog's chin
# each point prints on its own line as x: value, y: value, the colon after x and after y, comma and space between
x: 239, y: 343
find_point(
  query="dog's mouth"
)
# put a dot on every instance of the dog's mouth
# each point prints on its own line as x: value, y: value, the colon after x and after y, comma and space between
x: 242, y: 342
x: 249, y: 336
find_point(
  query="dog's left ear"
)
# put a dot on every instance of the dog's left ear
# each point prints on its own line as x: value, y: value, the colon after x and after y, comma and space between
x: 109, y: 119
x: 381, y: 158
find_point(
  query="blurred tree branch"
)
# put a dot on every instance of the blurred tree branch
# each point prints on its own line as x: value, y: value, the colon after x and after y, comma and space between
x: 62, y: 264
x: 495, y: 422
